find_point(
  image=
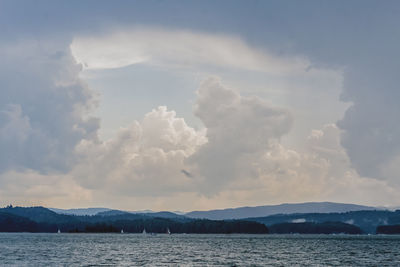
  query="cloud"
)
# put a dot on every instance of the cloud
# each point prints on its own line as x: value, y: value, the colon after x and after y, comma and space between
x: 44, y: 107
x: 178, y: 48
x: 50, y: 152
x: 322, y: 172
x: 238, y: 158
x: 371, y: 134
x: 44, y: 112
x: 30, y: 188
x: 160, y: 161
x: 368, y: 59
x: 239, y: 130
x: 162, y: 155
x: 146, y: 158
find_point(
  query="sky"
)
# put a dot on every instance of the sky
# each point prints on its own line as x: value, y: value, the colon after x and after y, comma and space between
x: 196, y: 105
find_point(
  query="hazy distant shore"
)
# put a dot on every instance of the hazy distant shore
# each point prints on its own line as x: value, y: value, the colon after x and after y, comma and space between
x: 39, y: 219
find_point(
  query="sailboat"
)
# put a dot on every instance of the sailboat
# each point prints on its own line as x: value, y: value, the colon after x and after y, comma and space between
x: 58, y: 232
x: 122, y: 231
x: 144, y: 231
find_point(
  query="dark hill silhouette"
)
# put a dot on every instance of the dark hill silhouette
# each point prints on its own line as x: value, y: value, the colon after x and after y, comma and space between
x: 39, y: 219
x: 388, y: 229
x: 314, y: 228
x: 113, y: 213
x: 165, y: 214
x: 45, y: 220
x: 117, y: 214
x: 366, y: 220
x: 14, y: 223
x: 39, y: 214
x: 80, y: 211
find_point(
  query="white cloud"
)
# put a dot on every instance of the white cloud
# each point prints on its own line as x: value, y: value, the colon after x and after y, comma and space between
x: 238, y: 159
x: 178, y: 48
x: 162, y: 129
x: 144, y: 159
x: 161, y: 155
x: 322, y: 172
x: 239, y: 130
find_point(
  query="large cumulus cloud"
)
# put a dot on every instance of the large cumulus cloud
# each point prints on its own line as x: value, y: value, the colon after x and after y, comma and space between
x: 161, y: 154
x: 147, y: 158
x: 239, y: 130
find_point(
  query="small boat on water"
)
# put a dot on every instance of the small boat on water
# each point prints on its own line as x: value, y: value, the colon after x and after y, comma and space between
x: 144, y: 231
x: 58, y: 232
x: 168, y: 231
x: 122, y: 231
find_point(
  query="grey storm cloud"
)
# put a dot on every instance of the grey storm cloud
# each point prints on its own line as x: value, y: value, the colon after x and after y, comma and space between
x: 43, y: 108
x: 371, y: 132
x: 368, y: 48
x: 363, y: 38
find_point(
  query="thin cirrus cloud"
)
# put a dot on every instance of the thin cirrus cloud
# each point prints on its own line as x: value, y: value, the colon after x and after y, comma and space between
x: 180, y: 49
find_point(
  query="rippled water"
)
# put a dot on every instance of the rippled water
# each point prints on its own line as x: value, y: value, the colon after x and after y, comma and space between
x: 25, y: 249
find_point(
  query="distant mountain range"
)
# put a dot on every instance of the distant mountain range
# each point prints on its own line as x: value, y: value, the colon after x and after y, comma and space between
x: 160, y: 214
x: 233, y: 213
x: 43, y: 220
x: 112, y: 212
x: 261, y: 211
x: 80, y: 212
x: 366, y: 220
x: 307, y: 218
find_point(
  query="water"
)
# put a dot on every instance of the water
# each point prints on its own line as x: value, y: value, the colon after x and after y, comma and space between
x: 24, y: 249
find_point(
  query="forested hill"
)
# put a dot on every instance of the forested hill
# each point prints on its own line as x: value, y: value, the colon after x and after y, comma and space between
x: 367, y: 220
x: 39, y: 219
x: 315, y: 228
x: 161, y: 214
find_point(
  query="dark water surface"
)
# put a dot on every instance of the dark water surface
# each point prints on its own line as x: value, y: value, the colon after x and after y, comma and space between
x: 24, y: 249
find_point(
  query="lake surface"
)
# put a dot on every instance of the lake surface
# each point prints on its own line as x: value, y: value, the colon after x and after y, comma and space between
x: 24, y: 249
